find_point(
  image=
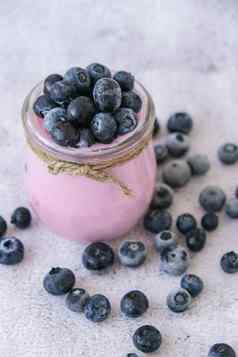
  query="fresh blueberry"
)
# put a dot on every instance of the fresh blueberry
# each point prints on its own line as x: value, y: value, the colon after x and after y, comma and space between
x: 98, y: 308
x: 161, y: 153
x: 131, y: 100
x: 65, y: 134
x: 21, y: 217
x: 163, y: 196
x: 156, y: 128
x: 3, y: 226
x: 132, y: 355
x: 98, y: 256
x: 178, y: 144
x: 78, y: 78
x: 165, y: 240
x: 86, y: 138
x: 157, y: 221
x: 59, y: 281
x: 212, y: 198
x: 228, y: 153
x: 221, y: 350
x: 126, y: 120
x: 97, y: 71
x: 125, y: 79
x: 107, y: 95
x: 199, y: 164
x: 180, y: 122
x: 229, y: 262
x: 80, y: 111
x: 196, y: 239
x: 186, y: 223
x: 104, y: 127
x: 175, y: 261
x: 62, y: 93
x: 231, y: 208
x: 49, y: 81
x: 193, y: 284
x: 147, y: 339
x: 210, y: 221
x: 134, y: 304
x: 132, y: 253
x: 77, y: 299
x: 11, y: 251
x: 179, y: 300
x: 176, y: 173
x: 43, y: 105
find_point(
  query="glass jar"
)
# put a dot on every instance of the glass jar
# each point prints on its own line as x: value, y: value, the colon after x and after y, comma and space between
x: 80, y: 207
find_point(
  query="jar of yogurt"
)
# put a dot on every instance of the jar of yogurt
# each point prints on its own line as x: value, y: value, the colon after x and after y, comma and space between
x: 110, y: 192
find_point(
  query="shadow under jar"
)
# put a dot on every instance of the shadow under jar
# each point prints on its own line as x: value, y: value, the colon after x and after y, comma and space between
x: 83, y: 208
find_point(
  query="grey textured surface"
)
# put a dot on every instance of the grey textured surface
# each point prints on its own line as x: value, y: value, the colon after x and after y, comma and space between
x: 185, y: 52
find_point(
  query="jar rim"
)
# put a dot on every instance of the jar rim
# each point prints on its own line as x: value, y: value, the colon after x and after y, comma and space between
x: 95, y: 153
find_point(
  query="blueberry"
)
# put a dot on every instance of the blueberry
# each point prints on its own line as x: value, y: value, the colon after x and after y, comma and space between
x: 179, y: 300
x: 178, y: 144
x: 175, y: 261
x: 80, y: 111
x: 126, y: 120
x: 98, y: 308
x: 231, y: 208
x: 147, y: 339
x: 196, y: 239
x: 21, y: 217
x: 77, y: 299
x: 43, y: 105
x: 59, y: 281
x: 199, y: 164
x: 212, y: 198
x: 53, y: 117
x: 193, y: 284
x: 210, y: 221
x: 107, y: 95
x: 186, y: 223
x: 79, y: 78
x: 134, y: 304
x: 97, y: 71
x: 157, y: 221
x: 131, y: 100
x: 176, y: 173
x: 65, y: 134
x: 3, y: 226
x: 161, y: 153
x: 156, y: 128
x: 49, y: 81
x: 86, y: 138
x: 165, y: 240
x: 228, y: 153
x: 98, y: 256
x: 11, y: 251
x: 221, y: 350
x: 132, y: 355
x: 62, y: 93
x: 104, y: 127
x: 229, y: 262
x: 132, y: 253
x: 163, y: 196
x: 125, y: 79
x: 180, y: 122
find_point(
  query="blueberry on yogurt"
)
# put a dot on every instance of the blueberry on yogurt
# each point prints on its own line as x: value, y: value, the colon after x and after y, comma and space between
x: 125, y: 79
x: 107, y: 95
x: 49, y: 81
x: 98, y: 71
x: 43, y: 105
x: 104, y: 127
x: 131, y: 100
x: 126, y: 120
x: 80, y: 79
x: 132, y: 253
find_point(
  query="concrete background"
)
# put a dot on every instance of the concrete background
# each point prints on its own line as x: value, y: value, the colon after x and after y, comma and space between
x: 185, y: 52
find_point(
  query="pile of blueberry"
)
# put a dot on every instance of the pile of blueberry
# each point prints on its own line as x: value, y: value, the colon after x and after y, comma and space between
x: 89, y: 105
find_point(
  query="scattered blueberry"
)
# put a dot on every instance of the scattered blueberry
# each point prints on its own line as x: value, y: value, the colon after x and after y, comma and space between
x: 175, y: 261
x: 80, y: 111
x: 132, y: 253
x: 77, y: 299
x: 53, y: 117
x: 79, y: 78
x: 161, y: 153
x: 97, y: 71
x: 125, y: 79
x: 165, y: 240
x: 210, y: 221
x: 104, y: 127
x: 62, y: 93
x: 107, y: 95
x: 147, y: 339
x: 193, y: 284
x: 65, y: 134
x: 212, y: 198
x: 131, y: 100
x: 98, y: 308
x: 134, y: 304
x: 163, y: 196
x: 231, y: 208
x: 180, y: 122
x: 176, y: 173
x: 43, y: 105
x: 3, y: 226
x: 199, y: 164
x: 86, y: 138
x: 59, y: 281
x: 156, y: 129
x: 21, y: 217
x: 11, y: 251
x: 221, y: 350
x: 49, y: 81
x: 228, y: 153
x: 196, y: 239
x: 179, y: 300
x: 229, y: 262
x: 186, y: 223
x: 178, y: 144
x: 157, y: 221
x: 98, y: 256
x: 126, y: 120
